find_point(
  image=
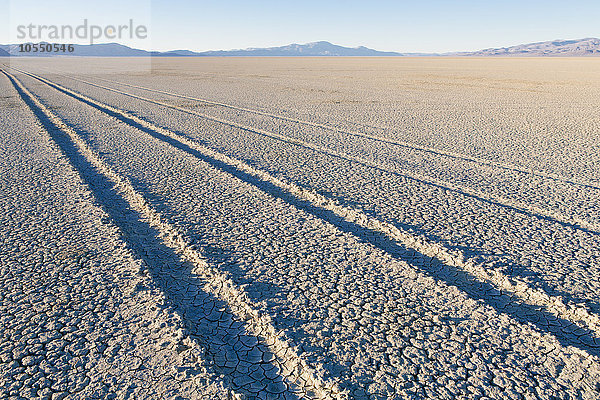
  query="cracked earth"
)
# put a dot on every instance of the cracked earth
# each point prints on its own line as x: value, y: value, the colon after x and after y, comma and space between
x: 213, y: 233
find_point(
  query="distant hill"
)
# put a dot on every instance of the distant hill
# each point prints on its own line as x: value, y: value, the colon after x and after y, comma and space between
x: 4, y: 53
x: 119, y: 50
x: 175, y: 53
x: 579, y: 47
x: 108, y: 50
x: 314, y: 49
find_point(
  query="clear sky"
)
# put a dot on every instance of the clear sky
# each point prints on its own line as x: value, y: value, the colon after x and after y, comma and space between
x: 405, y: 26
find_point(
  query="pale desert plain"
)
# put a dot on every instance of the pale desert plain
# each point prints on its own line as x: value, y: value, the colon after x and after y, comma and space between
x: 300, y: 228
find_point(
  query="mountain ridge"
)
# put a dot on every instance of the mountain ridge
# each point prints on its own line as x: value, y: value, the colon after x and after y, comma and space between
x: 574, y: 47
x: 320, y: 48
x: 559, y: 47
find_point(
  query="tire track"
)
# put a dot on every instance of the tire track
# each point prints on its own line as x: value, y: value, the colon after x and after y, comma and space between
x: 413, y: 146
x: 295, y: 368
x: 519, y: 206
x: 516, y: 287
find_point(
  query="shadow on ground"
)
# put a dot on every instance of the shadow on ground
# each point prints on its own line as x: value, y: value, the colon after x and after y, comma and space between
x: 566, y: 332
x: 232, y: 351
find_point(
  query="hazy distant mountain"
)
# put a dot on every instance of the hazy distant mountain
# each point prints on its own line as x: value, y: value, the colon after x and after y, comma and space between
x: 108, y: 50
x: 310, y: 49
x: 4, y: 53
x: 578, y: 47
x: 119, y: 50
x: 175, y: 53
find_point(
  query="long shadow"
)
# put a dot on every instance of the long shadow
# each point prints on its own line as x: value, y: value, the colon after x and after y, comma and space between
x: 365, y: 164
x: 515, y: 268
x: 217, y: 256
x: 439, y: 186
x: 329, y: 126
x: 512, y: 267
x: 505, y: 262
x: 418, y: 180
x: 566, y: 332
x: 233, y: 352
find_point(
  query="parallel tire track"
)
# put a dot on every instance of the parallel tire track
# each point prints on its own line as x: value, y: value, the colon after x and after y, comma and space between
x: 499, y: 200
x: 413, y: 146
x: 295, y: 367
x: 578, y: 315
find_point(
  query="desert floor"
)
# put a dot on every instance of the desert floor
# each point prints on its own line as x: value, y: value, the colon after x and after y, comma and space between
x: 286, y: 228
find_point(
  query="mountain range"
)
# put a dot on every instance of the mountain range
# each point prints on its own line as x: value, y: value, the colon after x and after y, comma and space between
x: 309, y: 49
x: 578, y: 47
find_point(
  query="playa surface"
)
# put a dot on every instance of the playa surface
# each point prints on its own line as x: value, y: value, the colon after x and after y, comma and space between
x: 287, y: 228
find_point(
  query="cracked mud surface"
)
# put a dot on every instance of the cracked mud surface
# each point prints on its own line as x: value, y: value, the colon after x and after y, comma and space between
x: 80, y: 318
x: 153, y: 252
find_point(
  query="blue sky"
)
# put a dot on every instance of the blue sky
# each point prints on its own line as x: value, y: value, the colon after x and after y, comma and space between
x: 406, y: 26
